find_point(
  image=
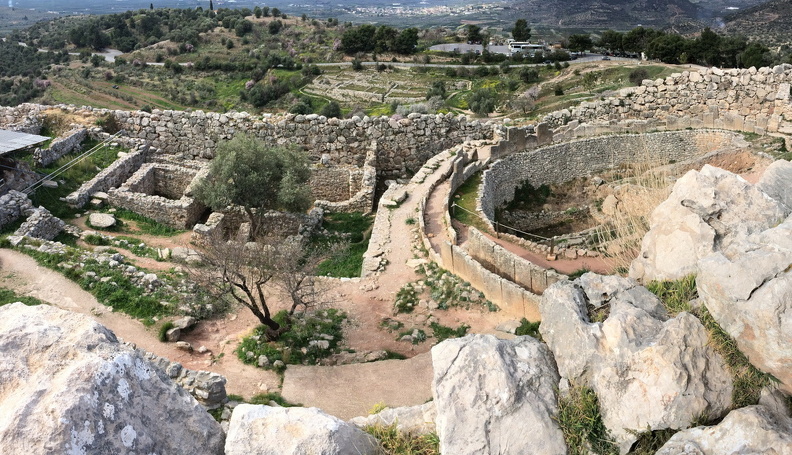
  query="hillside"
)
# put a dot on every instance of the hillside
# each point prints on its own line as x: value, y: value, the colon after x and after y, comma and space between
x: 770, y: 23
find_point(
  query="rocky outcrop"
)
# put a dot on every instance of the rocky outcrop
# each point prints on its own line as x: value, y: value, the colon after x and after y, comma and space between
x: 708, y: 211
x: 750, y: 296
x: 745, y: 431
x: 267, y: 430
x: 68, y: 386
x: 649, y: 371
x: 489, y: 391
x: 408, y: 419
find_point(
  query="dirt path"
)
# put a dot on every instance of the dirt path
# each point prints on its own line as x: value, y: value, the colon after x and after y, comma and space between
x: 363, y: 385
x: 23, y: 275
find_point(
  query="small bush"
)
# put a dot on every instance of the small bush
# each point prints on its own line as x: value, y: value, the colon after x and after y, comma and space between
x: 442, y: 333
x: 638, y: 75
x: 163, y: 331
x: 94, y: 239
x: 528, y: 328
x: 265, y: 398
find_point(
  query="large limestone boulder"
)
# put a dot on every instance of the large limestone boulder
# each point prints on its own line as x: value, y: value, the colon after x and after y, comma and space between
x: 488, y: 392
x: 750, y: 296
x: 745, y: 431
x: 101, y: 220
x: 408, y: 419
x: 708, y: 211
x: 266, y: 430
x: 649, y: 371
x: 68, y: 386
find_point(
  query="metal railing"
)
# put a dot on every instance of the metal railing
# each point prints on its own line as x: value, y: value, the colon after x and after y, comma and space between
x: 57, y: 172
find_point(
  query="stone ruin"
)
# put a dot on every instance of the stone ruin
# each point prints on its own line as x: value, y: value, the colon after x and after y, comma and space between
x: 161, y: 192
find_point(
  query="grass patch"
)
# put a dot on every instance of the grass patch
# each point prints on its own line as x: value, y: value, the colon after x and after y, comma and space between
x: 394, y: 442
x: 578, y: 273
x: 146, y: 225
x: 109, y: 285
x: 748, y: 381
x: 8, y: 296
x: 465, y: 197
x: 71, y: 179
x: 354, y: 228
x: 303, y: 344
x: 442, y: 332
x: 266, y: 398
x: 580, y: 419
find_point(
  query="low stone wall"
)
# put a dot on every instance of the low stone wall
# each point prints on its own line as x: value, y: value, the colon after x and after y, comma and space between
x: 560, y: 163
x: 156, y: 191
x: 508, y: 265
x: 61, y: 146
x: 13, y: 205
x: 112, y: 176
x: 206, y: 387
x: 335, y: 183
x: 362, y: 187
x: 508, y: 296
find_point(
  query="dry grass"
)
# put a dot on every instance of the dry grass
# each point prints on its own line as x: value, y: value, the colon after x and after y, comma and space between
x: 645, y: 184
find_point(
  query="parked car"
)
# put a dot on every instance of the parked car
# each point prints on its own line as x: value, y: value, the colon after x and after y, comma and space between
x: 606, y: 58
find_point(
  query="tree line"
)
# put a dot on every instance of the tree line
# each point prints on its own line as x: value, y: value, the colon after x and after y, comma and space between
x: 709, y: 48
x: 368, y: 38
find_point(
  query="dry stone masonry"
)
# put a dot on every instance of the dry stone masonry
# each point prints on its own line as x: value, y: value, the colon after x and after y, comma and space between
x: 59, y: 147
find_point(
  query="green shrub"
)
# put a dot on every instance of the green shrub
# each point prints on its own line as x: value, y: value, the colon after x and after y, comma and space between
x: 163, y: 330
x: 528, y: 328
x: 95, y: 239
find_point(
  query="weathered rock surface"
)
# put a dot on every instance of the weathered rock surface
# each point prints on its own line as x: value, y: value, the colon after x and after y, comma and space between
x: 266, y: 430
x: 750, y: 296
x: 101, y: 220
x: 707, y: 211
x: 408, y: 419
x: 67, y: 386
x: 489, y: 391
x: 750, y: 430
x: 647, y: 370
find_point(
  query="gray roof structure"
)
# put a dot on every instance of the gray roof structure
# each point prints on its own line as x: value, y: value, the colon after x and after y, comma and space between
x: 14, y: 140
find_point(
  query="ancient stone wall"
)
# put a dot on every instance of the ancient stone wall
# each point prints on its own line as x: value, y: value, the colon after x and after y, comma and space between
x: 112, y: 176
x: 404, y: 145
x: 735, y: 99
x: 59, y: 147
x: 560, y: 163
x: 12, y: 205
x: 40, y: 224
x: 335, y: 183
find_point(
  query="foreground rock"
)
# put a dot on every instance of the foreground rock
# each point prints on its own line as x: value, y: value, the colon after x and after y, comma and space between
x: 707, y: 212
x: 408, y: 419
x: 648, y: 371
x: 488, y: 392
x: 750, y: 296
x: 745, y: 431
x: 266, y: 430
x: 67, y: 386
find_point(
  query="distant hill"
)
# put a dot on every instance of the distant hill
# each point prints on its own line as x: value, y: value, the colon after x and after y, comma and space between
x: 608, y: 13
x: 770, y: 23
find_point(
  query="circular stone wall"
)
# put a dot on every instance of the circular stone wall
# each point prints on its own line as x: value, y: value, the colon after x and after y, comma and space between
x: 563, y: 162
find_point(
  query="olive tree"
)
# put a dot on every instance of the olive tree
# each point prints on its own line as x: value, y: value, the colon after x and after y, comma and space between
x: 252, y: 174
